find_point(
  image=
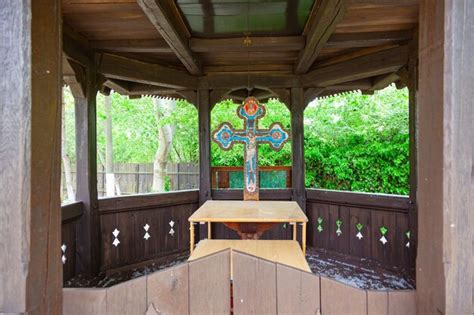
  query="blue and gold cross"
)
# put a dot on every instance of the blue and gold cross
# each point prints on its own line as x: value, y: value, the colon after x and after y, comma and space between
x: 226, y: 136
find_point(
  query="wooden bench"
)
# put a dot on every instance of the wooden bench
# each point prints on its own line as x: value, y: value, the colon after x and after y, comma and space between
x: 285, y: 252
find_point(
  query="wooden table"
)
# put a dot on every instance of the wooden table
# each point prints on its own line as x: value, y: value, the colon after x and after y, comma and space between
x: 231, y: 211
x: 285, y: 252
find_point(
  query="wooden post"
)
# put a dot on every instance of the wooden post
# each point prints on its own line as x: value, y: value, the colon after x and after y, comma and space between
x: 297, y: 143
x: 30, y: 169
x: 412, y: 100
x: 204, y: 112
x: 445, y: 154
x: 88, y: 249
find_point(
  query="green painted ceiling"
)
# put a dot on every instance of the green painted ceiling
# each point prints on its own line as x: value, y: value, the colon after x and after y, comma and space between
x: 227, y: 18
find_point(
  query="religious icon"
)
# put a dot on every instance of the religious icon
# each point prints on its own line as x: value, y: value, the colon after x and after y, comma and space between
x: 225, y: 136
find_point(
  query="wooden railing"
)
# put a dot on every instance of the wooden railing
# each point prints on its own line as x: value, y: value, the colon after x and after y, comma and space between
x: 203, y: 286
x: 71, y: 213
x: 165, y: 217
x: 369, y: 214
x: 130, y: 214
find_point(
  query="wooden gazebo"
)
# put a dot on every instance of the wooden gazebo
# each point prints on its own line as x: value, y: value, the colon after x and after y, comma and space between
x: 207, y: 51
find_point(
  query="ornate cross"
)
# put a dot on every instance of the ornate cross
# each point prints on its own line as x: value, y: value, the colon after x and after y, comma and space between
x: 226, y: 136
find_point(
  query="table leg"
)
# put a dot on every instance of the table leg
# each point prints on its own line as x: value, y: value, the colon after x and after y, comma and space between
x: 191, y: 237
x: 209, y: 234
x: 295, y: 228
x: 303, y: 238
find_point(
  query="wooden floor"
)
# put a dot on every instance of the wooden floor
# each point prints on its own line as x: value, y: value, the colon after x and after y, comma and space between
x: 281, y: 251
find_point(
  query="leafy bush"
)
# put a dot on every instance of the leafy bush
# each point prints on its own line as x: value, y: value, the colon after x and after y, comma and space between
x: 358, y: 142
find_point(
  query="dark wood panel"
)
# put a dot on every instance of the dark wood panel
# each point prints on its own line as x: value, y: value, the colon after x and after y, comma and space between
x: 360, y: 246
x: 265, y: 194
x: 145, y: 201
x: 68, y: 238
x: 134, y: 247
x: 318, y: 216
x: 72, y: 211
x: 366, y: 200
x: 383, y: 253
x: 393, y: 254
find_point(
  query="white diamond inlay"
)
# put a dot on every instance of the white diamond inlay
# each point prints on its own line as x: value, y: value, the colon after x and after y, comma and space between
x: 116, y: 242
x: 338, y: 232
x: 63, y: 248
x: 146, y: 227
x: 171, y: 232
x: 359, y: 235
x: 171, y: 223
x: 408, y: 245
x: 383, y: 240
x: 146, y: 236
x: 63, y: 259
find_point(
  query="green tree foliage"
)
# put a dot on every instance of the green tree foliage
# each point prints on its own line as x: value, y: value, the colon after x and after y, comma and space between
x: 352, y: 141
x: 358, y: 142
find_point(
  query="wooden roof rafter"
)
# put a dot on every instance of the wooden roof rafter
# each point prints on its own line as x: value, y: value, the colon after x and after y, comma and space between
x: 378, y: 63
x: 321, y: 25
x: 126, y: 69
x: 164, y: 17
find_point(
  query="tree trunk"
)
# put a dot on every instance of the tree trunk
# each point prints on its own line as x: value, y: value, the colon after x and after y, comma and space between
x: 109, y: 158
x: 164, y: 108
x: 71, y: 195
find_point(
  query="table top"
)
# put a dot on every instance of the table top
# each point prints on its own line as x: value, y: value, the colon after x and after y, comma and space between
x: 286, y: 252
x: 248, y: 211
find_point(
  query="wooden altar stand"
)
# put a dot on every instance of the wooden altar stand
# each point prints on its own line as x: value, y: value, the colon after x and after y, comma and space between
x: 261, y: 213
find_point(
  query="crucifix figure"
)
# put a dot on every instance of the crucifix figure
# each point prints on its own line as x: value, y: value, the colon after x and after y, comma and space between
x: 226, y: 136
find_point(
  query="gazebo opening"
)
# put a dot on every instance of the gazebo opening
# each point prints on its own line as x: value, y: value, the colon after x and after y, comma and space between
x: 236, y: 157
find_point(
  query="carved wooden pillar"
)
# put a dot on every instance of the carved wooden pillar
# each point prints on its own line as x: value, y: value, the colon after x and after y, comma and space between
x: 445, y: 192
x: 30, y: 169
x: 88, y: 245
x: 297, y: 143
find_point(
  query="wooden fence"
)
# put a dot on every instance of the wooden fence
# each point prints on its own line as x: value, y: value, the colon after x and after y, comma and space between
x: 138, y: 178
x: 258, y: 286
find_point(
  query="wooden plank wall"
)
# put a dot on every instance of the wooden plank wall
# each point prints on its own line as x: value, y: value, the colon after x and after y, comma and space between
x: 130, y: 214
x: 198, y: 287
x: 259, y: 287
x: 373, y: 212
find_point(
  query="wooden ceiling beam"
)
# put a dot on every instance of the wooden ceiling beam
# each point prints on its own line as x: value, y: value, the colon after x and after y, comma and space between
x: 119, y: 86
x: 276, y: 43
x: 328, y: 14
x: 251, y: 80
x: 131, y: 46
x: 356, y: 40
x: 362, y: 84
x: 121, y: 68
x: 367, y: 66
x: 161, y: 15
x: 382, y: 81
x: 146, y: 89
